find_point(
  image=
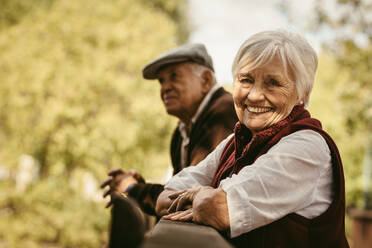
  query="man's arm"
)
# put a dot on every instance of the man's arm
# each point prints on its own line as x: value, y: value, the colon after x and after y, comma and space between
x: 132, y: 184
x: 146, y: 195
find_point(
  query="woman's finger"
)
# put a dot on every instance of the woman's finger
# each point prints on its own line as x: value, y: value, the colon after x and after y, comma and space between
x: 183, y: 201
x: 182, y: 215
x: 176, y: 194
x: 168, y: 216
x: 188, y: 206
x: 173, y: 206
x: 188, y: 215
x: 179, y: 203
x: 173, y: 216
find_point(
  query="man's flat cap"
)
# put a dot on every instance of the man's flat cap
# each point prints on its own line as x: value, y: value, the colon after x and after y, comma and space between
x: 196, y: 53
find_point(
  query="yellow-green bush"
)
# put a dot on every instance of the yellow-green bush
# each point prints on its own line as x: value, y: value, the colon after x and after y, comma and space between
x: 72, y: 96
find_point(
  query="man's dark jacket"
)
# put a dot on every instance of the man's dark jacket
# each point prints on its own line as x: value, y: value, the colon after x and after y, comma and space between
x: 215, y: 123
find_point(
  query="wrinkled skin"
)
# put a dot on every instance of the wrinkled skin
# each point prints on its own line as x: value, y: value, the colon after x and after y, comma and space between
x: 264, y: 96
x: 182, y: 89
x: 203, y: 204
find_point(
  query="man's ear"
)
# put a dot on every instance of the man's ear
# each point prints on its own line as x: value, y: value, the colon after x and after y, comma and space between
x: 207, y: 81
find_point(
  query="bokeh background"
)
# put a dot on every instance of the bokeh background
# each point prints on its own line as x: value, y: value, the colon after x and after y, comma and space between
x: 73, y: 103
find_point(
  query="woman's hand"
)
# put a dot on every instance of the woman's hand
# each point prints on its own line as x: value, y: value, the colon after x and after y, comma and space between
x: 186, y: 215
x: 210, y: 208
x: 204, y: 205
x: 163, y: 202
x: 183, y: 199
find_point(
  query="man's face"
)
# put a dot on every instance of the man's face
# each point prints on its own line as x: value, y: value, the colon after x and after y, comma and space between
x: 181, y: 90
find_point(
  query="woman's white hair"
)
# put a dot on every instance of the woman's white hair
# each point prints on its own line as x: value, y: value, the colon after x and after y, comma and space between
x: 295, y: 53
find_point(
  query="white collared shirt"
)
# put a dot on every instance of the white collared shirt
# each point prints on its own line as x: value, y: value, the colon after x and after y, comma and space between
x: 182, y: 126
x: 294, y: 176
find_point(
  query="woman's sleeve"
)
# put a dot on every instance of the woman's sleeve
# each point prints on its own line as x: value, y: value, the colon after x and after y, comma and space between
x: 200, y: 174
x: 295, y: 175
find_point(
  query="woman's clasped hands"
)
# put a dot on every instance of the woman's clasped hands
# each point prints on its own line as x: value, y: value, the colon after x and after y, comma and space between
x: 201, y: 204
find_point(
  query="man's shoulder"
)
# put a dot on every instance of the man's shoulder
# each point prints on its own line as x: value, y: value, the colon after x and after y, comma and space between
x: 221, y: 93
x: 220, y: 111
x: 222, y: 100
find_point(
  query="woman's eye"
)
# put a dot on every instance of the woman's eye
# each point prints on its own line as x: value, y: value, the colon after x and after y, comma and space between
x: 273, y: 82
x: 246, y: 80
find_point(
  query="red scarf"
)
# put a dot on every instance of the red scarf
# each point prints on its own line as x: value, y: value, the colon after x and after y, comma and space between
x: 244, y: 148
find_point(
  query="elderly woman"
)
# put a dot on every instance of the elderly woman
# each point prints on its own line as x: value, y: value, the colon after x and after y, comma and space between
x: 278, y: 180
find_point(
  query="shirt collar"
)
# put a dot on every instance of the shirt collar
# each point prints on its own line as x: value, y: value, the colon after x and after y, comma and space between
x: 203, y: 104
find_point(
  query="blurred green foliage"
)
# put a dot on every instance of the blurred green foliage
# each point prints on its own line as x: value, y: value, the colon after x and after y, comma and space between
x: 347, y: 73
x: 352, y: 50
x: 72, y: 97
x: 341, y: 97
x: 327, y: 104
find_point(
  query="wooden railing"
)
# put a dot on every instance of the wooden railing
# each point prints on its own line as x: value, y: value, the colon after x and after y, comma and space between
x: 127, y: 230
x: 168, y: 233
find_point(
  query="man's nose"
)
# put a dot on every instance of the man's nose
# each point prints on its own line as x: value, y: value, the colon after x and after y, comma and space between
x: 255, y: 94
x: 166, y: 85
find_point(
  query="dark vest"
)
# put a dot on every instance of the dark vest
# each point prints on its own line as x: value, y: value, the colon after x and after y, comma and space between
x: 293, y: 230
x: 216, y: 120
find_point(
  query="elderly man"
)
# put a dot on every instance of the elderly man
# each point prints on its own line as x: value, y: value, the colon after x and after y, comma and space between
x: 204, y: 109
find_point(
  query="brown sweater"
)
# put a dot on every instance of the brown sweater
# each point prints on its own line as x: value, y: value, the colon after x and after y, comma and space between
x: 293, y: 230
x: 214, y: 124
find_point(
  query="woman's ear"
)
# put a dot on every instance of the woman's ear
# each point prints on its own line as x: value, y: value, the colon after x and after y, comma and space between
x: 207, y: 81
x: 300, y: 101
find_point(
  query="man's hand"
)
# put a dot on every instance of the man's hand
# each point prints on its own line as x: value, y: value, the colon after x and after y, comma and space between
x: 119, y: 181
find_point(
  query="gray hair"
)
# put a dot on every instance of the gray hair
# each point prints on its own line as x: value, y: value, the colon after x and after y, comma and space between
x: 198, y: 70
x: 294, y: 52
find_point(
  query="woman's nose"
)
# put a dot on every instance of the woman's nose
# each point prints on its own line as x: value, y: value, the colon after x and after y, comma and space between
x: 255, y: 94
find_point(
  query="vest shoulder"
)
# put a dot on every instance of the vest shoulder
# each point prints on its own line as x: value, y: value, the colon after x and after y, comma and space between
x: 222, y: 101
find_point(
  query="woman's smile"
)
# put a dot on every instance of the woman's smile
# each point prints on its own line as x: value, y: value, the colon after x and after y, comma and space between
x: 258, y: 110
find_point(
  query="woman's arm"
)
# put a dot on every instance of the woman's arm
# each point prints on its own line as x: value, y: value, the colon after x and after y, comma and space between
x: 164, y: 202
x: 280, y: 182
x: 200, y: 174
x: 193, y: 176
x: 294, y: 176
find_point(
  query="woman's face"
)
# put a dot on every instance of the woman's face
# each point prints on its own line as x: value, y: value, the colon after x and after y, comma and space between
x: 263, y: 96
